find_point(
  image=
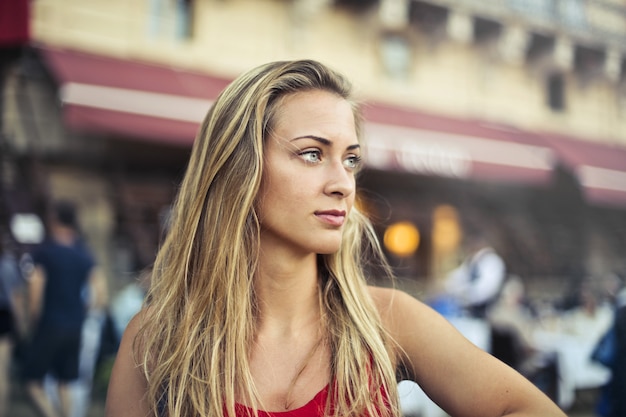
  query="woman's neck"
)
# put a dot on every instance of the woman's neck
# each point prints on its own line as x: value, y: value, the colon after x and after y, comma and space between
x: 288, y: 294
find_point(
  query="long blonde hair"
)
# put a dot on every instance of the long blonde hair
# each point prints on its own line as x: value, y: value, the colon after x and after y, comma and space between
x: 193, y: 345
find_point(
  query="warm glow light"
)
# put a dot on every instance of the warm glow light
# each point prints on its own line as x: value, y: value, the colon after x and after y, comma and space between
x: 402, y: 238
x: 446, y: 229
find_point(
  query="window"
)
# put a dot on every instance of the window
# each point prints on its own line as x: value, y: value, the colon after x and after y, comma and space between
x: 538, y: 9
x: 621, y: 98
x: 356, y: 5
x: 621, y: 90
x: 589, y: 63
x: 572, y: 14
x: 395, y: 51
x: 170, y: 19
x: 555, y: 89
x: 429, y: 19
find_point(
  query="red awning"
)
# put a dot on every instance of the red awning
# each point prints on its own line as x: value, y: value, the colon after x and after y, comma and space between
x: 159, y: 103
x: 424, y: 143
x: 130, y: 98
x: 599, y: 167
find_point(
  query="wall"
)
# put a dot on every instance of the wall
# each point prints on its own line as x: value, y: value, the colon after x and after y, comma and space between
x: 230, y: 36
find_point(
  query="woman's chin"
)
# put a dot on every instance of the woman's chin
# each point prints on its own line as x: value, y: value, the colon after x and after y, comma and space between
x: 329, y: 249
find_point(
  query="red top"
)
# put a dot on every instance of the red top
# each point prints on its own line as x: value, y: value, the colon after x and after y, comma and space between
x: 314, y: 408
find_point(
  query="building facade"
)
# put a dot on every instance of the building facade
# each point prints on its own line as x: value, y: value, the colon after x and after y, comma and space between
x: 508, y: 116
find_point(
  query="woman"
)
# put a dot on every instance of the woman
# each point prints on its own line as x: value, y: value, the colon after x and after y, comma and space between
x: 258, y: 297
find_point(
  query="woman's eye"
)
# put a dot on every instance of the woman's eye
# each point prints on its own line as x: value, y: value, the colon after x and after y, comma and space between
x: 352, y: 162
x: 312, y: 156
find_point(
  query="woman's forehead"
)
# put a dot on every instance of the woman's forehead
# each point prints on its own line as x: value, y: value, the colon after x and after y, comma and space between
x: 313, y: 105
x: 325, y: 116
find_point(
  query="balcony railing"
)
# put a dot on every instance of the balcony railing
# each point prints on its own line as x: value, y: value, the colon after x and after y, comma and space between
x: 600, y: 20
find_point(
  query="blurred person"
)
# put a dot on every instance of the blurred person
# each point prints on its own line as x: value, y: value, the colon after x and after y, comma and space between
x: 581, y: 327
x: 11, y: 315
x: 612, y: 353
x: 590, y: 318
x: 64, y: 283
x: 474, y: 286
x: 93, y: 330
x: 512, y: 320
x: 258, y: 303
x: 513, y: 324
x: 128, y: 301
x: 617, y: 385
x: 477, y: 282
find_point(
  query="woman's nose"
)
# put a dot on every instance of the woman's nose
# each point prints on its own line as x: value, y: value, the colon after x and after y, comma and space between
x: 340, y: 180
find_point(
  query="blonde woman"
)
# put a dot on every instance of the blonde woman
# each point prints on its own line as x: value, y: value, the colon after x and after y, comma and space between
x: 259, y: 304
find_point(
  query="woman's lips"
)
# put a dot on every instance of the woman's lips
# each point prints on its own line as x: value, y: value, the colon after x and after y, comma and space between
x: 332, y: 217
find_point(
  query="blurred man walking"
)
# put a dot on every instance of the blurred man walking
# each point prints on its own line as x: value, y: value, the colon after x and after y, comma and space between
x: 65, y: 282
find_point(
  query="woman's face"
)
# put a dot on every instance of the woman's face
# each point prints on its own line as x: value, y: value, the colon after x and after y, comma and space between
x: 311, y: 156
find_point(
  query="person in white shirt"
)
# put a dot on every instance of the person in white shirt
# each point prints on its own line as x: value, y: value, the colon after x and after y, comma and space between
x: 477, y: 282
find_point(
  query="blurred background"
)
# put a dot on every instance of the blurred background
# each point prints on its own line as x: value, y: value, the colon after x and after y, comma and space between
x: 506, y: 117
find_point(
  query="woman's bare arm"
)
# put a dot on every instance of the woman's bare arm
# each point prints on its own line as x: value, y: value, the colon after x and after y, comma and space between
x: 462, y: 379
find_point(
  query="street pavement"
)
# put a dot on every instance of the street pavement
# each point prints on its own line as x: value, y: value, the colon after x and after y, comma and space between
x: 19, y: 405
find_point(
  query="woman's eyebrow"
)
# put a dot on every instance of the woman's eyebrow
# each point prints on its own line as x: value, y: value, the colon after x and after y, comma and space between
x: 320, y: 139
x: 324, y: 141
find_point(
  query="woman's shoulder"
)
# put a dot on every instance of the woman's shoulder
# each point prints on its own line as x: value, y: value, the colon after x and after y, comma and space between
x: 385, y: 298
x: 391, y: 300
x: 398, y: 309
x: 406, y: 318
